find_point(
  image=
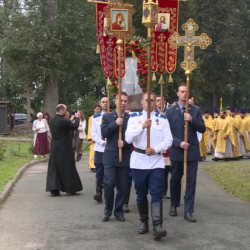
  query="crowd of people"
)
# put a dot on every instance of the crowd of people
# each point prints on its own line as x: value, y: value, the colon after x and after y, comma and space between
x: 227, y: 135
x: 117, y: 162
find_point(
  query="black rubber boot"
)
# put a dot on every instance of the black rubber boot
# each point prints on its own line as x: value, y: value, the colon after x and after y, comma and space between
x: 143, y: 212
x: 126, y: 200
x: 98, y: 195
x: 156, y: 211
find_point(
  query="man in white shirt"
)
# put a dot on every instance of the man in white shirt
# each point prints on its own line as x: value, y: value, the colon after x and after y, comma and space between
x: 99, y: 148
x: 147, y: 164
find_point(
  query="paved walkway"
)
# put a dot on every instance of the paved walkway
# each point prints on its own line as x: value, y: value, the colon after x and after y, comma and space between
x: 32, y: 220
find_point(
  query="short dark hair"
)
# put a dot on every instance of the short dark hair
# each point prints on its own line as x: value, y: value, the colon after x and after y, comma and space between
x: 60, y: 107
x: 160, y: 97
x: 182, y: 85
x: 151, y: 93
x: 122, y: 93
x: 96, y: 105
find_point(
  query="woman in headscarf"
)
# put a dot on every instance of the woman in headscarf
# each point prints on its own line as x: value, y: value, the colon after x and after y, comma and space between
x: 41, y: 130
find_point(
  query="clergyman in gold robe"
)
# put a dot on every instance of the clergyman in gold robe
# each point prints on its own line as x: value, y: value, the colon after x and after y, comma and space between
x: 225, y: 141
x: 246, y: 122
x: 208, y: 135
x: 97, y: 110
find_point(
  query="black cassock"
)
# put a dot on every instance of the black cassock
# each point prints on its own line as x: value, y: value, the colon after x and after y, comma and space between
x: 62, y: 174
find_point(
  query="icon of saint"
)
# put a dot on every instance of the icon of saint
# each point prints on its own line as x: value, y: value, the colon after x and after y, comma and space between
x: 162, y: 26
x: 120, y: 22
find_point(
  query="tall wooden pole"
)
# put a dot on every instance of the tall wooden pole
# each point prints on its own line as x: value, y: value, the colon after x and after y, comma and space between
x: 149, y: 40
x: 119, y: 44
x: 187, y: 73
x: 108, y: 93
x: 161, y: 82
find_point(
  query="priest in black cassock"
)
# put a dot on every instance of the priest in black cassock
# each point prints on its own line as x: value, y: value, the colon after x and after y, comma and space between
x: 62, y: 174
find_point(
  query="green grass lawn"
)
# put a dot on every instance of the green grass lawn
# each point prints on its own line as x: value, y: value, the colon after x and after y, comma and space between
x: 16, y: 155
x: 233, y: 177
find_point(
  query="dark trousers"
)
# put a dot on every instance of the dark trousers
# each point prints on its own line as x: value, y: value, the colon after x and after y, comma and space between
x: 175, y: 184
x: 115, y: 176
x: 152, y: 180
x: 99, y: 165
x: 166, y: 173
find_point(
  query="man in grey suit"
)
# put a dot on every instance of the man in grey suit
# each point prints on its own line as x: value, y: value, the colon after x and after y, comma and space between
x: 177, y: 117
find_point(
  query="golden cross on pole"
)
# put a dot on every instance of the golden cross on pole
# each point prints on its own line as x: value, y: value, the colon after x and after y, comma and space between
x: 189, y: 41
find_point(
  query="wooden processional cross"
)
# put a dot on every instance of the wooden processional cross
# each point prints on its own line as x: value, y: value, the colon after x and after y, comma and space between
x: 27, y: 94
x: 189, y: 41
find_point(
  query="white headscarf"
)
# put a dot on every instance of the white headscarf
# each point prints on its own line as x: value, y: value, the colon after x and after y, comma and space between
x: 39, y: 114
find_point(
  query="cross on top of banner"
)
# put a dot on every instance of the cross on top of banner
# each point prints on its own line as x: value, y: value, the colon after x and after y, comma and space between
x: 189, y: 41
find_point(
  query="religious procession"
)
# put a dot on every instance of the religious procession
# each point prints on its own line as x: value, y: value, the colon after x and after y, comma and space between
x: 137, y: 113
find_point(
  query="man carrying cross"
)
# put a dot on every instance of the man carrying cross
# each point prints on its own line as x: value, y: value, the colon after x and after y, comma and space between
x: 177, y: 116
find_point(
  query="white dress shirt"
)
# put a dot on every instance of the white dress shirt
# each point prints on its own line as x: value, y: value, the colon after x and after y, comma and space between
x: 96, y: 133
x: 160, y: 140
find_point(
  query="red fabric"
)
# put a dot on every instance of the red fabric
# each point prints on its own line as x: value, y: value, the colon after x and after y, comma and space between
x: 42, y: 144
x: 109, y: 59
x: 164, y: 56
x: 167, y: 154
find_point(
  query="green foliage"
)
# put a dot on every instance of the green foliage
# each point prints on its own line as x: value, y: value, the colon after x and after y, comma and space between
x: 2, y: 149
x: 15, y: 151
x: 35, y: 45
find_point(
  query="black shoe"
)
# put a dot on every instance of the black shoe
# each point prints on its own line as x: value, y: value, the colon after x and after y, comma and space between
x: 157, y: 215
x: 125, y: 208
x: 159, y: 232
x: 227, y: 159
x: 166, y: 197
x: 105, y: 218
x: 215, y: 159
x: 120, y: 218
x: 54, y: 193
x: 173, y: 211
x: 98, y: 198
x: 93, y: 170
x: 189, y: 217
x: 143, y: 212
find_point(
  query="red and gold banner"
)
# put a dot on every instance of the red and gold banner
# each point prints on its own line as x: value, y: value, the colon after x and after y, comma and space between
x: 108, y: 47
x: 164, y: 55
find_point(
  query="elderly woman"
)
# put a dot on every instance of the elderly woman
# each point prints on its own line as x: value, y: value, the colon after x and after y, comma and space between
x: 41, y: 129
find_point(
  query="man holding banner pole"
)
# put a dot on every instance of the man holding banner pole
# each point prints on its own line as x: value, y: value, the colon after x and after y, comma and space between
x: 177, y: 116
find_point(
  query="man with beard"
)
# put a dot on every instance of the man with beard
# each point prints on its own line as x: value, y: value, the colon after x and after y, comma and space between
x: 62, y: 174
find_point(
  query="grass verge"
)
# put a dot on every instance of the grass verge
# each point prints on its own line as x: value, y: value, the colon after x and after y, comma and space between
x: 233, y: 177
x: 15, y: 156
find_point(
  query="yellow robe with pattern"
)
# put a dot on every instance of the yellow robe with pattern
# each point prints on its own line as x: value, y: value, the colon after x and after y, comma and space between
x: 238, y: 126
x: 209, y: 123
x: 223, y: 126
x: 202, y: 145
x: 91, y: 152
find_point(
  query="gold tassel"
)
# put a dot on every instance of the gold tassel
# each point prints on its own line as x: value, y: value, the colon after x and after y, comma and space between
x: 98, y: 49
x: 161, y: 81
x: 154, y: 77
x: 221, y: 104
x: 133, y: 54
x: 192, y: 98
x: 170, y: 79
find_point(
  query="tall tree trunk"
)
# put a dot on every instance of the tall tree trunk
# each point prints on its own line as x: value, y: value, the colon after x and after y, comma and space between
x: 51, y: 98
